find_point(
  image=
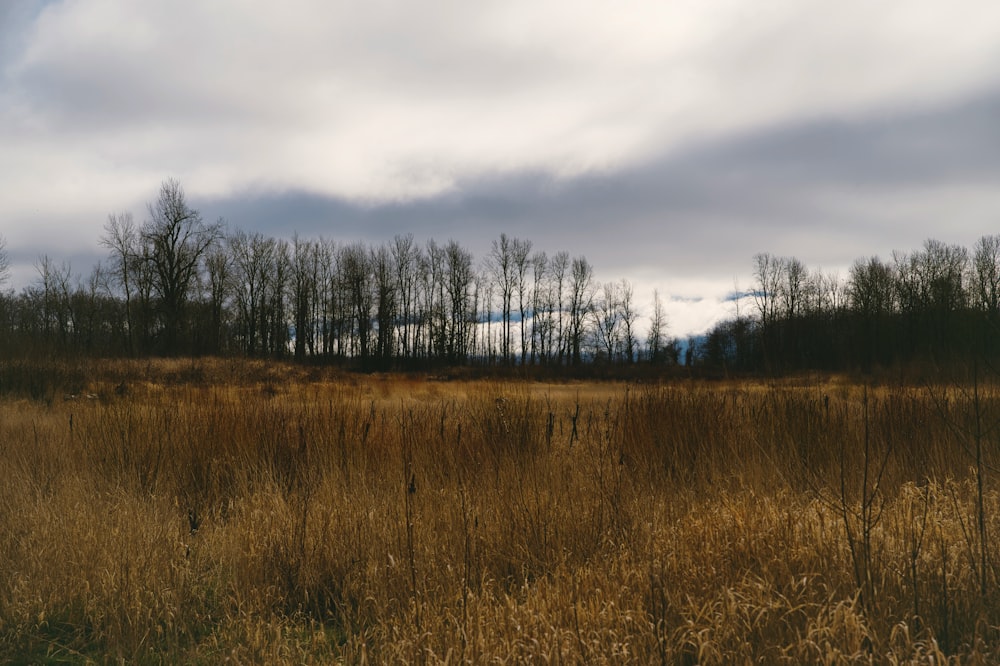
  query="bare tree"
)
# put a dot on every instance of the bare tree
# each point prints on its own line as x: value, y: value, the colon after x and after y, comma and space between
x: 986, y: 274
x: 177, y: 239
x: 829, y: 292
x: 489, y: 348
x: 930, y: 288
x: 501, y: 265
x: 405, y: 261
x: 86, y: 305
x: 477, y: 346
x: 324, y: 299
x: 906, y: 282
x: 521, y: 250
x: 581, y: 305
x: 656, y: 338
x: 508, y: 264
x: 121, y: 237
x: 558, y: 267
x: 434, y: 307
x: 253, y: 258
x: 383, y: 272
x: 277, y: 300
x: 792, y: 290
x: 767, y: 272
x: 873, y: 293
x: 461, y: 314
x: 943, y: 270
x: 356, y: 275
x: 870, y: 287
x: 608, y: 320
x: 219, y: 267
x: 57, y: 315
x: 302, y: 291
x: 629, y: 315
x: 540, y: 310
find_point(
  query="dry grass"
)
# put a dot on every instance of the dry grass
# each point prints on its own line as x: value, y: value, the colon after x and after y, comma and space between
x: 270, y: 514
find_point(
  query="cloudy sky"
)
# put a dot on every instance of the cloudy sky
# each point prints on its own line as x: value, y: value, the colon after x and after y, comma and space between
x: 666, y: 141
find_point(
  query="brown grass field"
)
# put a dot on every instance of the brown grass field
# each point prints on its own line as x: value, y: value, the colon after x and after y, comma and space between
x: 231, y: 511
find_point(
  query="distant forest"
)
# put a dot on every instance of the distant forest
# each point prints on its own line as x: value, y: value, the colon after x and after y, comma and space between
x: 176, y: 285
x: 936, y: 305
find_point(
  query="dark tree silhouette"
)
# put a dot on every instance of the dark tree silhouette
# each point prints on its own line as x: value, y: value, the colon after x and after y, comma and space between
x: 176, y: 240
x: 501, y: 265
x: 581, y: 306
x: 121, y: 237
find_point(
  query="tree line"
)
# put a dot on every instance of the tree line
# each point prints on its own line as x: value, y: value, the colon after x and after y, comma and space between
x: 938, y: 304
x: 178, y: 285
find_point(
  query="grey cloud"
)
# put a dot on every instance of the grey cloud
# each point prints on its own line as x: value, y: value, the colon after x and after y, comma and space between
x: 922, y: 146
x: 318, y: 100
x: 735, y: 296
x: 701, y: 212
x: 24, y: 265
x: 685, y: 299
x: 15, y: 17
x: 107, y: 91
x: 181, y: 71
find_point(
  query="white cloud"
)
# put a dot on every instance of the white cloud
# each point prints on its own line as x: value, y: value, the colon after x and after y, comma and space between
x: 395, y: 99
x: 390, y: 101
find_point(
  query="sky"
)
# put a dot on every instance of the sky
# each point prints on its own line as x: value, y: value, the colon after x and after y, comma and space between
x: 667, y: 142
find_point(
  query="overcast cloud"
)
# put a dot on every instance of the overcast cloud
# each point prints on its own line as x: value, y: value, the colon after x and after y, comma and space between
x: 668, y: 142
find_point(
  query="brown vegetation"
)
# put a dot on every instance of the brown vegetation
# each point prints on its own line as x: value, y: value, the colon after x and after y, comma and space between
x: 195, y: 511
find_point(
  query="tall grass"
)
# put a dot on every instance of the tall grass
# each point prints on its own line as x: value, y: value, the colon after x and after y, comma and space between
x: 211, y: 510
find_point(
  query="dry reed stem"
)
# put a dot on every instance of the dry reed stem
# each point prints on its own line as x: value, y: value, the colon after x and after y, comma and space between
x: 262, y: 515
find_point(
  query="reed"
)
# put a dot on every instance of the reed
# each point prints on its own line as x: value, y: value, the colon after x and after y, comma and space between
x: 275, y: 514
